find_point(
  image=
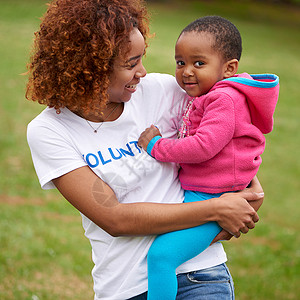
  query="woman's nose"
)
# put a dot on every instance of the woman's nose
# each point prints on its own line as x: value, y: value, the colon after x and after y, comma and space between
x: 141, y: 72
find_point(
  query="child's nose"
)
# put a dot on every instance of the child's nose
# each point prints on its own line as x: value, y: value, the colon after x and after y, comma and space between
x: 188, y: 71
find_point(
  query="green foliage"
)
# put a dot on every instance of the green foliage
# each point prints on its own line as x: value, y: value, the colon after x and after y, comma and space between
x: 43, y: 254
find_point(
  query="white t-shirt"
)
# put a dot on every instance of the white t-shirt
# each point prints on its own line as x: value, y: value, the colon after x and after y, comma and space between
x: 63, y: 142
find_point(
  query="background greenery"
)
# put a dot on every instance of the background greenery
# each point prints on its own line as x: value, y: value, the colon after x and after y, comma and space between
x: 43, y: 252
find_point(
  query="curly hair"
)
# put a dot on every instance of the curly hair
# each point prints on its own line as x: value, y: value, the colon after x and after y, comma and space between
x: 228, y: 40
x: 75, y: 48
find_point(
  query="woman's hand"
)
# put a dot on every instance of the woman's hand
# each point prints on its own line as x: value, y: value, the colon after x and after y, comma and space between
x: 222, y: 236
x: 147, y: 135
x: 234, y: 214
x: 255, y: 200
x: 256, y: 187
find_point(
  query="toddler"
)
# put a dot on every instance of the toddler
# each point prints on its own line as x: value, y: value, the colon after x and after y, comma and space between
x: 220, y: 140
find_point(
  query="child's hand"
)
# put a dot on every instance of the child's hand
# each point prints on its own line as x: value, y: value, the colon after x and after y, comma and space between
x: 147, y: 136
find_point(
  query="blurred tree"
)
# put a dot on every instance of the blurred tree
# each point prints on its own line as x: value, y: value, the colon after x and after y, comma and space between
x: 289, y: 2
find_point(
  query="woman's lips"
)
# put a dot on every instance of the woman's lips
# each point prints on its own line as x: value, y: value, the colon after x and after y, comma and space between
x: 131, y: 87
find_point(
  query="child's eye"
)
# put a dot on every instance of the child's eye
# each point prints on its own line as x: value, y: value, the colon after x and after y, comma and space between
x: 199, y: 63
x: 180, y: 63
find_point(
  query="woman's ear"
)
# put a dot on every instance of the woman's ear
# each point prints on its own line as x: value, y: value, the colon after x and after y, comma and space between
x: 230, y: 68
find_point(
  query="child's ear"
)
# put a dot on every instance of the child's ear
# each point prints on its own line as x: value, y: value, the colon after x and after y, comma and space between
x: 231, y: 67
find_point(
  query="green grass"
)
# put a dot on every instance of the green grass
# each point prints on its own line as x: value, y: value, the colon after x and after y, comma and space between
x: 43, y: 253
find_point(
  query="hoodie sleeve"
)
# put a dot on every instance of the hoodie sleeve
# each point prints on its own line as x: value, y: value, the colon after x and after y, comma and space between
x: 214, y: 133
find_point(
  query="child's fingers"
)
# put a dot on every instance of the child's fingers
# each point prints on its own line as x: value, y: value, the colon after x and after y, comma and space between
x: 147, y: 135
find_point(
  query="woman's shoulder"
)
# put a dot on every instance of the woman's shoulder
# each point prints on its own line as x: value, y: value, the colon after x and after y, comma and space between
x: 159, y: 79
x: 161, y: 84
x: 47, y: 124
x: 50, y: 116
x: 42, y: 119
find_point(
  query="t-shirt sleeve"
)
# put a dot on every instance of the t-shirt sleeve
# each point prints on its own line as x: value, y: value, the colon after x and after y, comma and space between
x: 52, y: 152
x: 172, y: 100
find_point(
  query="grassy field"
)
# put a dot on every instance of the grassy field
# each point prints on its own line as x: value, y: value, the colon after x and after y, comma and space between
x: 43, y: 253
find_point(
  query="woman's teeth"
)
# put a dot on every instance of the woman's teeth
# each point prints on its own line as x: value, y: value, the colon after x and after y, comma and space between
x: 131, y: 86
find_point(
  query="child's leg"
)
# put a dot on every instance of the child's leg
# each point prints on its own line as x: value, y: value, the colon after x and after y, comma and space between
x: 170, y: 250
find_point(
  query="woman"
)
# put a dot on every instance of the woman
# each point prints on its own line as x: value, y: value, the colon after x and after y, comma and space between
x: 87, y: 68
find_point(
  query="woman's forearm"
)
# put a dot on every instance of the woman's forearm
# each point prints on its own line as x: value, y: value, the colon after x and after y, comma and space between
x: 92, y: 197
x: 96, y: 200
x: 233, y: 214
x: 231, y: 211
x: 154, y: 218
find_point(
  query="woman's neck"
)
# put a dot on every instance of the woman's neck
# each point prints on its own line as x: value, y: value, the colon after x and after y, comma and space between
x: 111, y: 112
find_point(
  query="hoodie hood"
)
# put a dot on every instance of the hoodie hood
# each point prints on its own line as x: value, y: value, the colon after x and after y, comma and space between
x: 261, y: 92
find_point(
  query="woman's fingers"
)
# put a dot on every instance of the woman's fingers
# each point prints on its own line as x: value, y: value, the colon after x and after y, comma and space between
x: 237, y: 234
x: 246, y: 228
x: 250, y: 225
x: 222, y: 236
x: 255, y: 186
x: 255, y: 218
x: 252, y: 196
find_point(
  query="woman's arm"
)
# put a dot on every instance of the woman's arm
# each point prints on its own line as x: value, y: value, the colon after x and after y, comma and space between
x: 96, y: 200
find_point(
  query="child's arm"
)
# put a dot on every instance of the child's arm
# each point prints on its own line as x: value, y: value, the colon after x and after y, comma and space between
x: 215, y: 131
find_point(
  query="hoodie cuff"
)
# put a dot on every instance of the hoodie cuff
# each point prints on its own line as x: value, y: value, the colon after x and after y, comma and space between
x: 151, y: 144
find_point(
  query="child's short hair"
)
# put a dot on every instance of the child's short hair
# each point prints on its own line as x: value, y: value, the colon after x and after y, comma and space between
x: 228, y: 40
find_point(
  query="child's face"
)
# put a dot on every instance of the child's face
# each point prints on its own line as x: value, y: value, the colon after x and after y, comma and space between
x: 198, y: 65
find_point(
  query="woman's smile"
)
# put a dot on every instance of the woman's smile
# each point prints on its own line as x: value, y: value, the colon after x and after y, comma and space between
x: 131, y: 88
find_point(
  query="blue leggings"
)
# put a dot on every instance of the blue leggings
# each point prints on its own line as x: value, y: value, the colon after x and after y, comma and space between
x: 172, y: 249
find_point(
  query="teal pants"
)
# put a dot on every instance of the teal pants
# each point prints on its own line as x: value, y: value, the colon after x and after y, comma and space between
x: 172, y: 249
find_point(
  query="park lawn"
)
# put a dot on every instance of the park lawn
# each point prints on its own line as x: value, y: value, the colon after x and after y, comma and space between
x: 43, y: 252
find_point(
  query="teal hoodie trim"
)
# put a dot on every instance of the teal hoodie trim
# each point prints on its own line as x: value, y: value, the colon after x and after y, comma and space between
x: 255, y: 82
x: 151, y: 144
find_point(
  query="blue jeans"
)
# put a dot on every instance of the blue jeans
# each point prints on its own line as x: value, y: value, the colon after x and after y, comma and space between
x: 208, y: 284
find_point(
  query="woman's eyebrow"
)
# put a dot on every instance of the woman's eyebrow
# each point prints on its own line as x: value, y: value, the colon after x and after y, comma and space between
x: 134, y: 58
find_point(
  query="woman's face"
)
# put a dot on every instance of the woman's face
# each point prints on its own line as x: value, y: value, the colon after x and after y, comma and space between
x: 126, y: 74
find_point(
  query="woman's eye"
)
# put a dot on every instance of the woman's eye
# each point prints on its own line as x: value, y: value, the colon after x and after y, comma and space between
x: 132, y: 66
x: 199, y: 63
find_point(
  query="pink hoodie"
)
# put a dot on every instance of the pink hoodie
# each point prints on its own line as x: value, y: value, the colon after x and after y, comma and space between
x: 225, y: 134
